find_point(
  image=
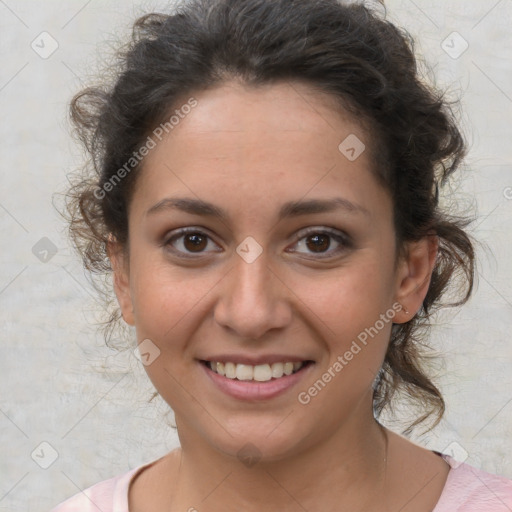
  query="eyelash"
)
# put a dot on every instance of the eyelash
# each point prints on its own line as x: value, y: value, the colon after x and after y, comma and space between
x: 339, y: 237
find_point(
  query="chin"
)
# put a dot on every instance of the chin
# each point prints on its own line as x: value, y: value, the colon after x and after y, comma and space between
x: 254, y: 439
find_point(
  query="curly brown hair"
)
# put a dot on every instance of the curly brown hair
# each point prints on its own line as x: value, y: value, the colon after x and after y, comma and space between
x: 349, y: 51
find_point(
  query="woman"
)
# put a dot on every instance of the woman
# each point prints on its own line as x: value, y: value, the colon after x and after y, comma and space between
x: 265, y: 197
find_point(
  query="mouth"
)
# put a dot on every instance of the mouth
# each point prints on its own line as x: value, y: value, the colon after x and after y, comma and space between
x: 256, y: 373
x: 253, y: 383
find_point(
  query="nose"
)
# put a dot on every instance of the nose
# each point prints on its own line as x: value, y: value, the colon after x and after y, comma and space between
x: 254, y: 299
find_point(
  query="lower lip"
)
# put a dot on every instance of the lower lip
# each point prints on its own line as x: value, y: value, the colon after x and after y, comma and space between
x: 254, y: 390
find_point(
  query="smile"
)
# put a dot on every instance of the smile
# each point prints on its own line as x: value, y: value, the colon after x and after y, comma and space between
x: 256, y: 382
x: 259, y: 373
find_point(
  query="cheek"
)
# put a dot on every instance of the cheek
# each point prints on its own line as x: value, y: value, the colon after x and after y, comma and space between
x: 167, y: 299
x: 350, y: 307
x: 166, y: 302
x: 159, y: 301
x: 356, y: 340
x: 350, y: 298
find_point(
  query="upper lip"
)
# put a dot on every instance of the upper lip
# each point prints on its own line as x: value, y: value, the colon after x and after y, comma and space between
x: 255, y: 360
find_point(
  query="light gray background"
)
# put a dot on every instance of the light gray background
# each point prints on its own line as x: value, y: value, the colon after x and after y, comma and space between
x: 61, y: 385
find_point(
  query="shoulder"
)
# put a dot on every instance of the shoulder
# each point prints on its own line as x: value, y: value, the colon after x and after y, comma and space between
x: 469, y: 489
x: 108, y: 495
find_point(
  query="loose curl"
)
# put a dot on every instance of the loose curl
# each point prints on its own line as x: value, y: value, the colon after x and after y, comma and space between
x: 349, y: 51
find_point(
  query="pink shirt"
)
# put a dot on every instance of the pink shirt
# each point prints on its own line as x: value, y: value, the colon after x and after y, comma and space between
x: 467, y: 489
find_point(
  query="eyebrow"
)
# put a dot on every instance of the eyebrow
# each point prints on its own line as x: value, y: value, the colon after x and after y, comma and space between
x: 289, y: 209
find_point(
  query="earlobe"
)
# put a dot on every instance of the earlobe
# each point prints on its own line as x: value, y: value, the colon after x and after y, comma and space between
x: 121, y: 280
x: 414, y: 275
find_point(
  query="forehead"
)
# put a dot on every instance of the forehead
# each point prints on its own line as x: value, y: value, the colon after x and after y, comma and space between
x: 276, y: 142
x: 304, y: 105
x: 283, y: 108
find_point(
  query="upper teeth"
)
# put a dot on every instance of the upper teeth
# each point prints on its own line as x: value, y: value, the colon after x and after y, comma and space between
x: 260, y: 372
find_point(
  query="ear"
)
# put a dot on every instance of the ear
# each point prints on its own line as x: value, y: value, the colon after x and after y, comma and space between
x: 120, y: 267
x: 414, y: 274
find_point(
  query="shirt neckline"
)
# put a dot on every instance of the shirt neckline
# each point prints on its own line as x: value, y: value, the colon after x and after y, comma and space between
x: 454, y: 464
x: 122, y: 488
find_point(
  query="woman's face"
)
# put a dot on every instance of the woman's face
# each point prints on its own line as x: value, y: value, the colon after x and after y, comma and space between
x: 276, y: 280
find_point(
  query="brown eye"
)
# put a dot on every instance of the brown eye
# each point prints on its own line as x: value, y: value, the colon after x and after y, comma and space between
x: 319, y: 242
x: 194, y: 242
x: 188, y: 241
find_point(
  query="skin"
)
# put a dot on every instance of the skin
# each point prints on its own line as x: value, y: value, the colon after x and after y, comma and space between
x: 249, y: 151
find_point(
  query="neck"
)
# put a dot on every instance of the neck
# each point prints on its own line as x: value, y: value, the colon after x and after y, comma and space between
x: 343, y: 472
